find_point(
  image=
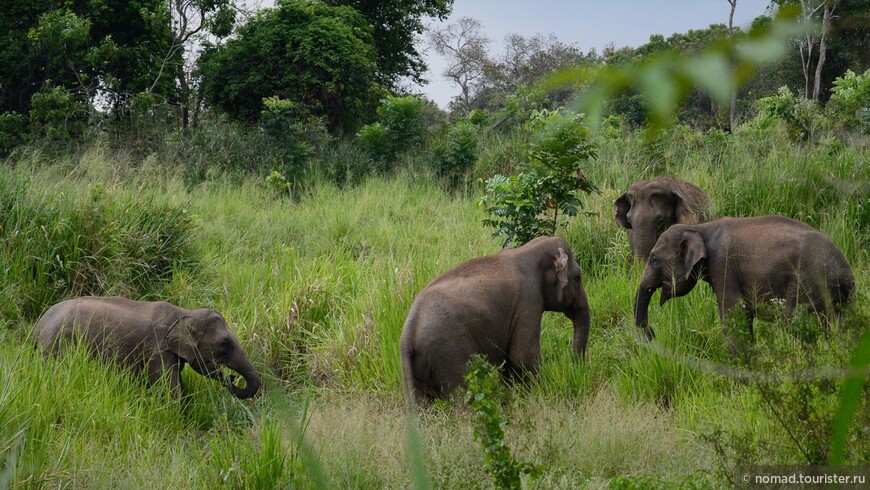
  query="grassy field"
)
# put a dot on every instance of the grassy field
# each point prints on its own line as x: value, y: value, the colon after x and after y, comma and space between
x: 318, y: 288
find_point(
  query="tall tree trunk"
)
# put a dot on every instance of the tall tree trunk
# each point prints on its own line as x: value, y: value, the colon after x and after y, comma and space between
x: 732, y: 111
x: 185, y: 102
x: 826, y: 26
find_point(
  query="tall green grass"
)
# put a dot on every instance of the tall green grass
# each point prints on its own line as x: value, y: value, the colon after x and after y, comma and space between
x: 317, y: 288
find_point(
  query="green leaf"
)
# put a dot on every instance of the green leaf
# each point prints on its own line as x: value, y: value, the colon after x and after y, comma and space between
x: 850, y: 395
x: 711, y: 72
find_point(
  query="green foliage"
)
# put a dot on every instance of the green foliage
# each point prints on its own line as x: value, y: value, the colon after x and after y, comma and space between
x: 375, y: 139
x: 12, y: 132
x: 398, y: 130
x: 61, y: 245
x: 526, y: 205
x: 456, y: 152
x: 397, y: 23
x: 265, y: 465
x: 850, y: 101
x: 56, y: 114
x: 318, y: 56
x: 663, y: 78
x: 293, y: 133
x: 483, y: 395
x: 802, y: 117
x: 118, y: 49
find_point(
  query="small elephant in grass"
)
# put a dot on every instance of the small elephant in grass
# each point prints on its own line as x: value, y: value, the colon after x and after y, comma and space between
x: 157, y: 337
x: 755, y: 259
x: 649, y: 207
x: 492, y: 306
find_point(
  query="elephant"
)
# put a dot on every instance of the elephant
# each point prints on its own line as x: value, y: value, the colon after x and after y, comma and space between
x: 155, y: 337
x: 649, y: 207
x: 756, y: 259
x: 491, y: 306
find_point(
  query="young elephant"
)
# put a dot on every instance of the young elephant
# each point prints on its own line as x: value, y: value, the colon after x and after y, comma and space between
x: 649, y: 207
x: 154, y: 336
x: 755, y: 259
x: 492, y: 306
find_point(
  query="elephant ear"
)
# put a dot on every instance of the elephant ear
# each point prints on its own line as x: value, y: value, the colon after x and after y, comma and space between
x: 684, y: 207
x: 693, y: 250
x: 182, y: 338
x: 560, y: 264
x: 621, y: 207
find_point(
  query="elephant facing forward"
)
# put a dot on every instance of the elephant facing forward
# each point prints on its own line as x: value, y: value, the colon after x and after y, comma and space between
x: 754, y: 259
x: 157, y: 337
x: 649, y: 207
x: 492, y: 306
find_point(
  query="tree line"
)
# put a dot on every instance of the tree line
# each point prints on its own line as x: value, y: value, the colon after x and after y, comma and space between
x: 74, y: 67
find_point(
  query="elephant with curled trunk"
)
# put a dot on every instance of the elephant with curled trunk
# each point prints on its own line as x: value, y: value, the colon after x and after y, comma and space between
x: 754, y: 259
x: 155, y: 337
x: 492, y: 306
x: 649, y: 207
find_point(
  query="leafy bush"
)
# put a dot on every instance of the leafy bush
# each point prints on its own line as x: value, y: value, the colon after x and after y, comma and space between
x: 456, y: 153
x: 59, y: 246
x: 56, y: 114
x: 376, y: 141
x: 399, y: 129
x: 12, y: 131
x: 527, y: 205
x: 801, y: 115
x: 850, y: 101
x: 294, y: 134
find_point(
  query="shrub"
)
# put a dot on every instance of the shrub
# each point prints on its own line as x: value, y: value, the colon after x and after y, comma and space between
x: 801, y: 116
x: 376, y: 141
x: 456, y: 153
x: 12, y: 131
x: 528, y: 204
x: 59, y: 246
x: 293, y: 133
x: 850, y: 101
x: 399, y: 129
x: 56, y: 114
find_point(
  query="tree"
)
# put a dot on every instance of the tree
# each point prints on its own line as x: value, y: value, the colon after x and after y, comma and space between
x: 397, y: 23
x: 464, y: 45
x: 319, y: 57
x: 732, y: 110
x: 103, y: 48
x: 813, y: 46
x: 528, y: 60
x: 191, y: 19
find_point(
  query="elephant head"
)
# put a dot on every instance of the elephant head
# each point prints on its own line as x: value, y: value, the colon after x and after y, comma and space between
x: 674, y: 265
x: 202, y: 339
x: 563, y: 290
x: 649, y: 207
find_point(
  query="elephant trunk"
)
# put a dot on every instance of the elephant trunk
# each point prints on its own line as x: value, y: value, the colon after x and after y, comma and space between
x: 642, y: 242
x: 581, y: 320
x: 249, y: 373
x: 641, y: 308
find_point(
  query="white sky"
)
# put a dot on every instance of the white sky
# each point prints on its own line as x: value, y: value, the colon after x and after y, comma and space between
x: 585, y: 24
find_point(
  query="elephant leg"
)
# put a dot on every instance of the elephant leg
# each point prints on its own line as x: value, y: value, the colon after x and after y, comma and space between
x: 439, y: 370
x: 524, y: 353
x: 168, y: 364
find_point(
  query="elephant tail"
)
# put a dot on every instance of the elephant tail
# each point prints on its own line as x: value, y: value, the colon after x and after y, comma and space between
x: 406, y: 353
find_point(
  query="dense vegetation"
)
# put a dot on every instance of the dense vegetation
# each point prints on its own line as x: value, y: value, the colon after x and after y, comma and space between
x: 311, y: 213
x: 318, y: 289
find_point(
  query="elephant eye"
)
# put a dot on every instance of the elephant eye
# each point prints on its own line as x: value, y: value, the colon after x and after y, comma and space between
x: 224, y: 346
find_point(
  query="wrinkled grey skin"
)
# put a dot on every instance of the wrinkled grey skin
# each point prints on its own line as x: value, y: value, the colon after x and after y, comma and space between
x: 754, y: 259
x: 157, y: 337
x: 649, y: 207
x: 492, y: 306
